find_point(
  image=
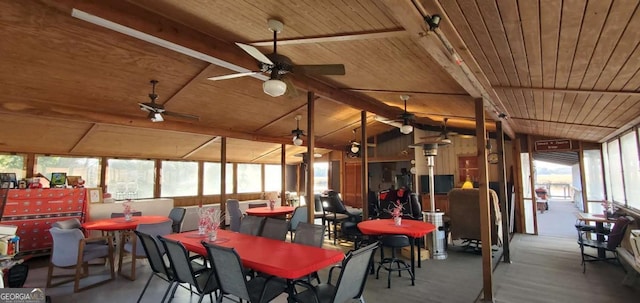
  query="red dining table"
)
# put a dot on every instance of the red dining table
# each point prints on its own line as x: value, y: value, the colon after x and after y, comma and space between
x: 114, y: 224
x: 413, y: 229
x: 266, y: 211
x: 273, y: 257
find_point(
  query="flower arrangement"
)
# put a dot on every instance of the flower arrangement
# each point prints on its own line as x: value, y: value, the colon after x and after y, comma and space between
x: 272, y: 196
x: 127, y: 209
x: 607, y: 208
x: 209, y: 221
x: 396, y: 213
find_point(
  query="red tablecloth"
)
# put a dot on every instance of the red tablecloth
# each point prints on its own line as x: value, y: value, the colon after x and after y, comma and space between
x: 410, y: 228
x: 278, y: 258
x: 267, y: 212
x: 121, y: 224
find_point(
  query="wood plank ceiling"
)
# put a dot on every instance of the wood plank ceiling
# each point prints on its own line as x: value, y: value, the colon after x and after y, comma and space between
x: 72, y: 87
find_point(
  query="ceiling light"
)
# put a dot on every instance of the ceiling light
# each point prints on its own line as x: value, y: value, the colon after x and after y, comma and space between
x: 406, y: 129
x: 355, y: 148
x: 274, y: 87
x: 155, y: 117
x: 297, y: 141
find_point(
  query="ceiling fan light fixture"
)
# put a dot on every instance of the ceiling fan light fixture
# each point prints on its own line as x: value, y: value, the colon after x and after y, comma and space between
x: 274, y: 87
x: 406, y: 129
x: 297, y: 141
x: 155, y: 117
x: 355, y: 148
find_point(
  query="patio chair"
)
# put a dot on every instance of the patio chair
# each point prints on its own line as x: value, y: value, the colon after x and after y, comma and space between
x: 231, y: 276
x: 611, y: 241
x: 72, y: 250
x: 204, y: 281
x: 134, y: 246
x: 275, y: 229
x: 350, y: 284
x: 251, y: 225
x: 300, y: 214
x: 312, y: 235
x: 177, y: 216
x: 335, y: 212
x: 235, y: 214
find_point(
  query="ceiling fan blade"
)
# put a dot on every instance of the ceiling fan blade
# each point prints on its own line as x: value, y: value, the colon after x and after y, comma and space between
x: 254, y: 52
x: 292, y: 91
x: 320, y: 69
x: 232, y: 76
x: 181, y: 115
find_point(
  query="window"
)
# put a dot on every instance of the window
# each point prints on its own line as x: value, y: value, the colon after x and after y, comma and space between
x: 211, y: 181
x: 593, y: 175
x: 320, y: 176
x: 249, y: 178
x: 13, y: 164
x: 615, y: 171
x: 179, y: 179
x: 607, y: 172
x: 272, y: 177
x: 130, y: 179
x: 629, y: 148
x: 87, y: 168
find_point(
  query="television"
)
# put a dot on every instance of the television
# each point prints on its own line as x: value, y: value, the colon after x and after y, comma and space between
x: 58, y: 179
x: 442, y: 183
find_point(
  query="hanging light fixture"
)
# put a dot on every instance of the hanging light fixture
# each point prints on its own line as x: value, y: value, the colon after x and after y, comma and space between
x: 355, y: 146
x: 297, y: 133
x: 274, y: 87
x: 406, y: 128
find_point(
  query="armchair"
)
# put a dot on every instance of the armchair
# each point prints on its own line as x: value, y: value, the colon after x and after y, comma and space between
x: 72, y: 250
x: 464, y: 211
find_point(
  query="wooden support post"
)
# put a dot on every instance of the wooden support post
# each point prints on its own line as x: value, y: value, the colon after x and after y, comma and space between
x: 310, y: 154
x: 365, y: 168
x: 223, y: 179
x: 283, y: 172
x: 504, y: 205
x: 583, y: 181
x: 532, y: 181
x: 485, y: 215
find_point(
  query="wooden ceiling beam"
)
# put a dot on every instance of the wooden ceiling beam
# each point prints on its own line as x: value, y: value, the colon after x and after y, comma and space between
x: 399, y: 32
x: 202, y: 146
x: 398, y: 92
x: 208, y: 70
x: 210, y: 49
x: 68, y: 113
x: 86, y: 134
x: 563, y: 123
x: 278, y: 119
x: 570, y: 91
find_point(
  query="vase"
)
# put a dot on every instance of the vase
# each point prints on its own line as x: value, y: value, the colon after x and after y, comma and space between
x: 201, y: 230
x: 272, y: 204
x: 213, y: 235
x: 397, y: 221
x: 127, y: 217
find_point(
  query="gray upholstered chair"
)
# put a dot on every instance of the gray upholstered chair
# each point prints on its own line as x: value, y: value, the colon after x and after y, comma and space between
x: 177, y: 216
x: 203, y: 281
x: 232, y: 278
x: 235, y: 214
x: 134, y: 246
x: 275, y: 229
x: 72, y: 250
x: 251, y: 225
x: 350, y: 284
x: 300, y: 214
x: 68, y: 224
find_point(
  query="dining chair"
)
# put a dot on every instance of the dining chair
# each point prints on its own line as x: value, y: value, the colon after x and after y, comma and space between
x: 232, y: 278
x: 394, y: 242
x: 235, y: 214
x: 177, y: 216
x: 251, y: 225
x: 275, y: 229
x: 158, y: 267
x: 611, y: 241
x: 349, y: 285
x: 335, y: 212
x: 72, y: 250
x: 204, y: 282
x: 300, y: 214
x: 134, y: 247
x: 312, y: 235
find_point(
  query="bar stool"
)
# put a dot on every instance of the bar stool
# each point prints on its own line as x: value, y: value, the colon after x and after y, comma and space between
x: 394, y: 242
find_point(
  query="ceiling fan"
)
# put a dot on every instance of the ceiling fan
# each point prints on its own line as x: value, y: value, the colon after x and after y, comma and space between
x: 156, y: 110
x: 444, y: 136
x: 406, y: 118
x: 297, y: 133
x: 277, y: 65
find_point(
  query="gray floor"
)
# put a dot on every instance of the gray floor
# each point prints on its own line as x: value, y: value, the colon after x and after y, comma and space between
x: 544, y: 268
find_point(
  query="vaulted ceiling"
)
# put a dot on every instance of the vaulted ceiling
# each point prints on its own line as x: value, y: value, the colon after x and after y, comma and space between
x: 555, y: 68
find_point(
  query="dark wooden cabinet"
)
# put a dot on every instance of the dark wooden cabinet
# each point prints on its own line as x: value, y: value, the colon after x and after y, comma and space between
x: 441, y: 201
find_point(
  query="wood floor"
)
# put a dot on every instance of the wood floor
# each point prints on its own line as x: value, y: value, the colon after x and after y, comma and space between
x: 543, y: 269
